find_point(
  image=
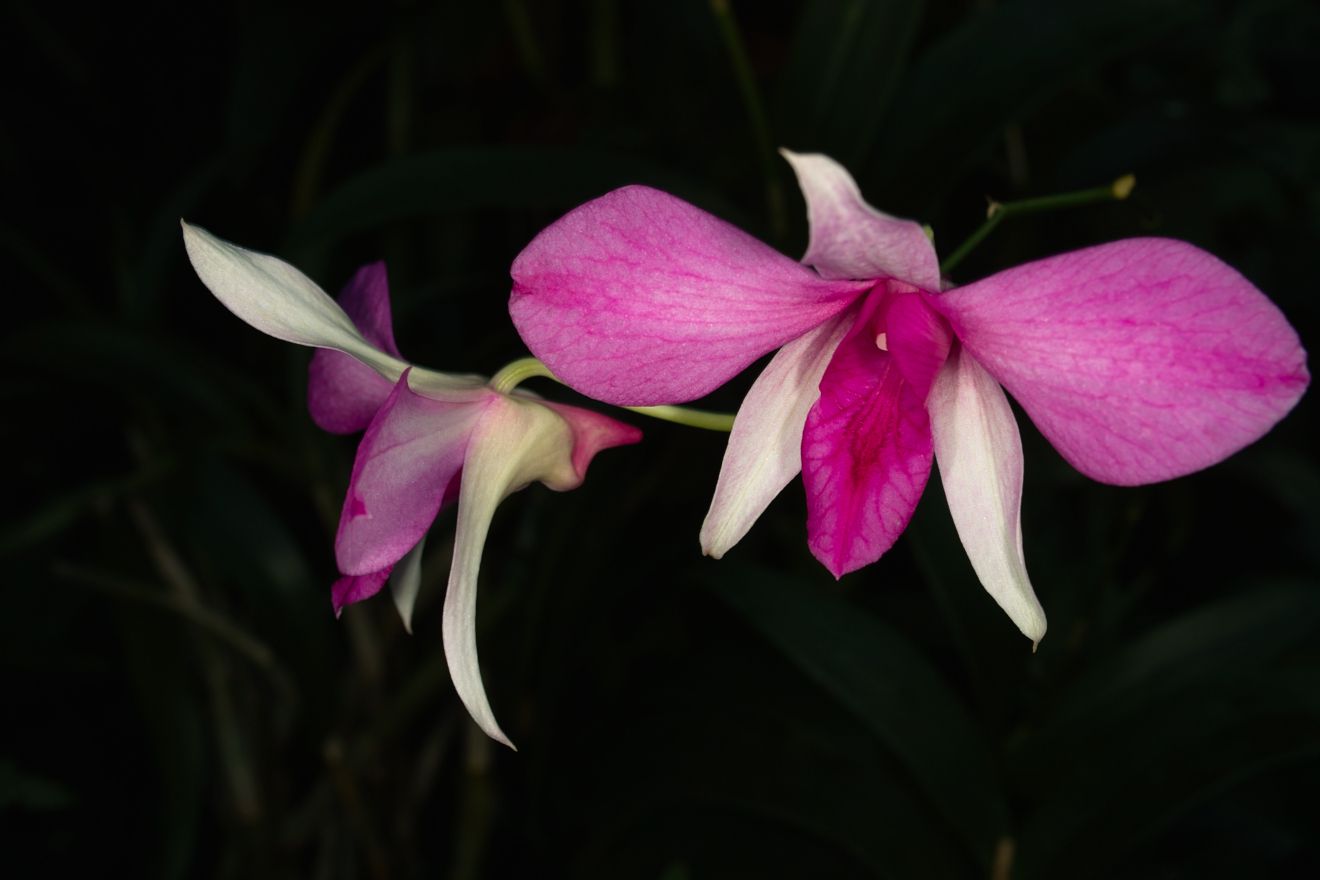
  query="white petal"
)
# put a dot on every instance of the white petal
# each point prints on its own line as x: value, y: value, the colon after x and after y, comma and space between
x: 979, y: 453
x: 765, y: 447
x: 514, y: 443
x: 405, y: 581
x: 278, y: 300
x: 849, y: 238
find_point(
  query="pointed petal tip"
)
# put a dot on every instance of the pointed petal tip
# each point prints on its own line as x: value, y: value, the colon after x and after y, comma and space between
x: 1033, y: 627
x: 499, y: 737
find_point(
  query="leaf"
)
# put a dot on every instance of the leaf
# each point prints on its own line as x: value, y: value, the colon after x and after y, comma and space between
x: 880, y: 677
x: 447, y: 182
x: 845, y: 61
x: 1181, y: 714
x: 992, y: 70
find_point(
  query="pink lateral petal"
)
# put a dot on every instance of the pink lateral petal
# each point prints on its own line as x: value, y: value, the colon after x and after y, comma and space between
x: 640, y: 298
x: 592, y: 432
x: 849, y: 238
x: 342, y: 392
x: 405, y: 466
x: 866, y: 453
x: 1140, y: 360
x: 355, y: 587
x: 366, y: 299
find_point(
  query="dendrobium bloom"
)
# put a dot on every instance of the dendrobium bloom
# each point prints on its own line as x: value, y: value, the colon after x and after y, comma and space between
x: 431, y: 438
x: 1140, y: 360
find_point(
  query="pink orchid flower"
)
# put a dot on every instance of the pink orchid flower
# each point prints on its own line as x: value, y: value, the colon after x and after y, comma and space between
x: 1140, y: 360
x: 430, y: 438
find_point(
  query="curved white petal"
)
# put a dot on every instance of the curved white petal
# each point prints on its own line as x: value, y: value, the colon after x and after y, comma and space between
x: 849, y: 238
x: 764, y: 453
x: 405, y: 582
x: 979, y: 453
x: 514, y: 443
x: 278, y: 300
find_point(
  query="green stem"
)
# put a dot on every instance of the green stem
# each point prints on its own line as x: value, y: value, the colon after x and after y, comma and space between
x: 998, y: 211
x: 514, y: 374
x: 693, y: 418
x: 765, y: 145
x: 511, y: 376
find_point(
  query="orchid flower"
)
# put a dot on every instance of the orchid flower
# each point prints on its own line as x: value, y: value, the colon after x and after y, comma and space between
x: 1140, y: 360
x: 431, y: 438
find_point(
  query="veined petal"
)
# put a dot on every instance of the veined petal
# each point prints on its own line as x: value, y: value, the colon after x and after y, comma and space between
x: 406, y: 582
x: 1140, y: 360
x: 917, y: 337
x: 640, y: 298
x: 849, y: 238
x: 513, y: 443
x: 764, y: 453
x: 866, y: 452
x: 342, y: 392
x: 278, y: 300
x: 410, y: 454
x: 979, y: 453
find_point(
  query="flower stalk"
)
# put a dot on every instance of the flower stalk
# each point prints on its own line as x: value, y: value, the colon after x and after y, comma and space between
x: 997, y: 212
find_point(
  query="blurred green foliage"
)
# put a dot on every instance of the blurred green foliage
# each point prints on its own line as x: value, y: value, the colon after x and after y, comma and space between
x: 180, y: 701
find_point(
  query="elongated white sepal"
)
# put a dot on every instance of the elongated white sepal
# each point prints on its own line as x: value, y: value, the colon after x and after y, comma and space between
x: 278, y: 300
x: 405, y: 582
x: 979, y: 452
x: 514, y: 443
x: 764, y: 453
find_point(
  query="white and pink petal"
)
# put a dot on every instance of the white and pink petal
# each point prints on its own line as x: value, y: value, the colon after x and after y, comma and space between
x: 277, y: 299
x: 979, y: 453
x: 764, y: 452
x: 513, y: 443
x: 849, y: 238
x: 409, y: 456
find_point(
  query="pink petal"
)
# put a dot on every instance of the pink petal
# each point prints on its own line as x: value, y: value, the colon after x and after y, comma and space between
x: 849, y: 238
x: 866, y: 452
x: 765, y: 447
x: 342, y: 392
x: 366, y: 299
x: 1140, y: 360
x: 640, y: 298
x: 979, y: 453
x: 355, y: 587
x: 916, y: 336
x: 592, y: 432
x: 408, y: 458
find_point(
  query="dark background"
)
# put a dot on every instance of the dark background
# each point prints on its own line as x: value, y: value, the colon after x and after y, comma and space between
x: 179, y: 700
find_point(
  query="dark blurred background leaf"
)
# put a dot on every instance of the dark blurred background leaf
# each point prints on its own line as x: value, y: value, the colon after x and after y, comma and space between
x: 180, y: 700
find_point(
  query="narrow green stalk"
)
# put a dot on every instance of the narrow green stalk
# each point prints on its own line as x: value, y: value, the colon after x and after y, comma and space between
x: 693, y: 418
x: 765, y: 145
x: 514, y: 374
x: 511, y: 376
x: 997, y: 212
